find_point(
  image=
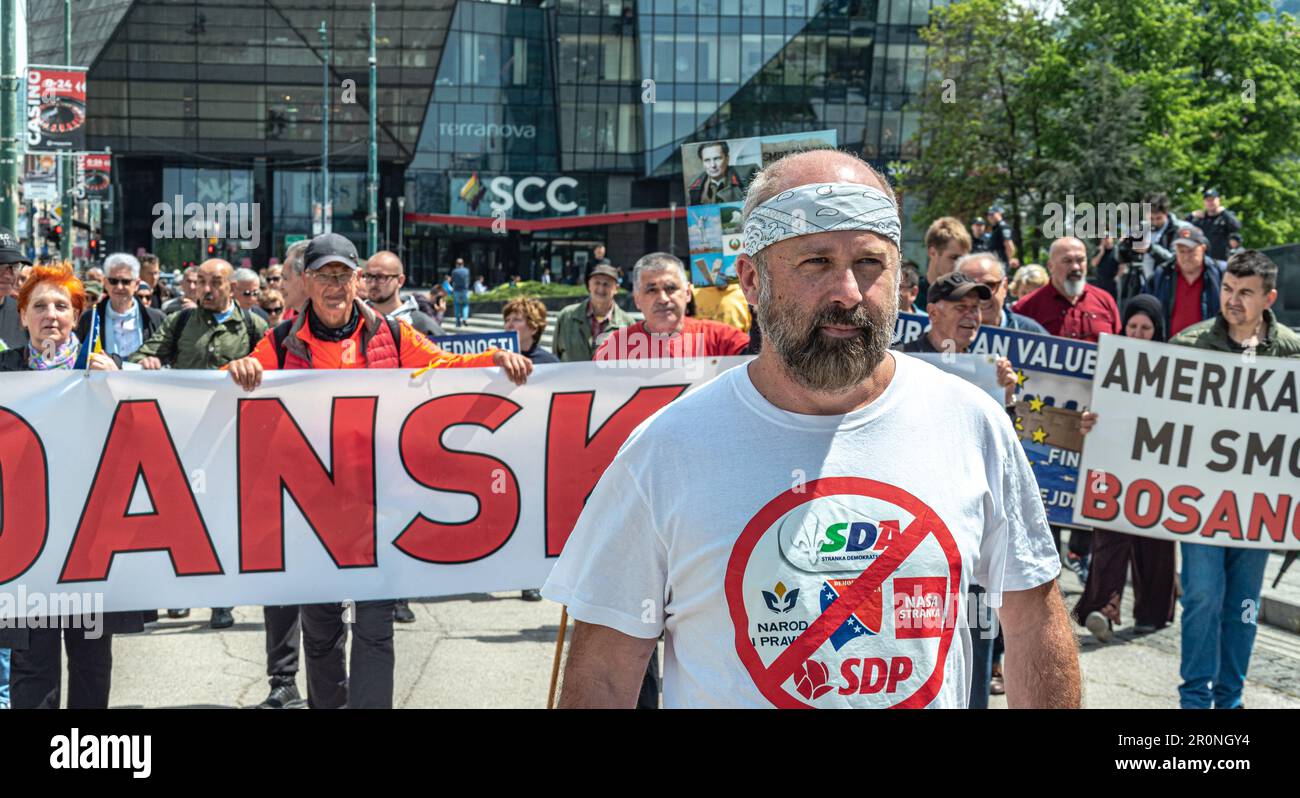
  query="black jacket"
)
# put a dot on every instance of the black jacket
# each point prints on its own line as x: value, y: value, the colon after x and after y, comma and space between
x: 151, y: 320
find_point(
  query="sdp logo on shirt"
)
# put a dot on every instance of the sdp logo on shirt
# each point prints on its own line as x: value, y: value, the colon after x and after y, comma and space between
x: 876, y: 575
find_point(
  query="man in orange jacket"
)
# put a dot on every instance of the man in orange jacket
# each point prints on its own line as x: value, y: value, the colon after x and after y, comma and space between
x: 337, y: 330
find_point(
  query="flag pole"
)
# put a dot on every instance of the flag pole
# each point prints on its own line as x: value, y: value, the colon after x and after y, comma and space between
x: 559, y: 650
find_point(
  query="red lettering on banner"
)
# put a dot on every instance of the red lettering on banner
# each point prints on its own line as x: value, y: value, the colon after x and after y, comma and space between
x: 1274, y: 518
x: 1155, y: 503
x: 1178, y: 503
x: 338, y: 503
x: 575, y: 460
x: 486, y: 478
x: 24, y: 496
x: 139, y: 450
x: 1100, y: 505
x: 1223, y: 518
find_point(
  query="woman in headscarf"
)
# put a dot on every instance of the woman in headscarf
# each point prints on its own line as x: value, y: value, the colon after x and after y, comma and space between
x: 1152, y: 559
x: 48, y: 306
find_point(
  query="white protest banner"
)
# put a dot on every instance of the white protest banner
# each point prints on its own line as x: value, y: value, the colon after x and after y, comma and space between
x: 1193, y: 445
x: 178, y: 489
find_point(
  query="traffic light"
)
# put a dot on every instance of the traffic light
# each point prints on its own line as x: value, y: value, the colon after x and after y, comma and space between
x: 56, y: 235
x: 212, y: 249
x: 94, y: 247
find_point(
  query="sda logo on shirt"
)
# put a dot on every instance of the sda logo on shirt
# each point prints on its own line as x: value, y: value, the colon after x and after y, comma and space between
x: 835, y: 544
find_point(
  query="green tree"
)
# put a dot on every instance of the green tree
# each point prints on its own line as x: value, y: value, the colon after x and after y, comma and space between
x: 1107, y: 101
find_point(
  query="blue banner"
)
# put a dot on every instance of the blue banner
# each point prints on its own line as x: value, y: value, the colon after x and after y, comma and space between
x: 1052, y: 372
x: 478, y: 343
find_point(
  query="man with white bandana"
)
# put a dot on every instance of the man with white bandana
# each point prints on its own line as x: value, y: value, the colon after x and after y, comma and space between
x: 833, y: 568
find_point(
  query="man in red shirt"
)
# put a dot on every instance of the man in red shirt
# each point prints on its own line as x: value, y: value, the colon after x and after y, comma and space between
x: 1067, y: 306
x: 1187, y: 284
x: 661, y: 291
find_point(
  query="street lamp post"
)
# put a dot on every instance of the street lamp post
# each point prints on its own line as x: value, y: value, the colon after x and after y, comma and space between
x: 388, y: 222
x: 65, y: 179
x: 325, y: 137
x: 401, y: 223
x: 372, y: 187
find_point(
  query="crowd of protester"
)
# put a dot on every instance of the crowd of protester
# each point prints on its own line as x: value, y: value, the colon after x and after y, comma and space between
x: 1189, y: 282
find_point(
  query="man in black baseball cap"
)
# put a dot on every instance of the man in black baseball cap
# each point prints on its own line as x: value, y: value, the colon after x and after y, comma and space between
x: 1217, y: 222
x: 1187, y: 284
x: 12, y: 258
x: 954, y: 307
x: 330, y: 248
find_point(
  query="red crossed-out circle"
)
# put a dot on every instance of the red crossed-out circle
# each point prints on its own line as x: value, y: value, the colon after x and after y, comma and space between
x: 925, y: 522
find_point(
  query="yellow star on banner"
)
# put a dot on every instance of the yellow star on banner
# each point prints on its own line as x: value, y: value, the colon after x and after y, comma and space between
x: 1020, y: 378
x: 1039, y: 435
x: 1036, y: 405
x: 1020, y: 423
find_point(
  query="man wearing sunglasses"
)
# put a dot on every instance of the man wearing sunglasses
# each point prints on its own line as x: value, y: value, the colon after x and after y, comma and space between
x: 125, y: 321
x: 247, y: 287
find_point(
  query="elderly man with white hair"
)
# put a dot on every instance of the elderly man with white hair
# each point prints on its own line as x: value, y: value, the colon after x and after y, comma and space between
x: 803, y: 528
x: 987, y: 268
x: 121, y: 321
x: 246, y: 286
x: 661, y: 291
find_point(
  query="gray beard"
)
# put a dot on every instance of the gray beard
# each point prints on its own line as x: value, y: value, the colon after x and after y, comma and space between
x: 820, y: 363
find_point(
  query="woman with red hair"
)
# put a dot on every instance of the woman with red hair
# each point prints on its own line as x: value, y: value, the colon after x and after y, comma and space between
x: 49, y: 303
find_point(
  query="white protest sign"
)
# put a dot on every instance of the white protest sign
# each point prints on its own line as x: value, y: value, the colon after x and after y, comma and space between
x: 1193, y: 445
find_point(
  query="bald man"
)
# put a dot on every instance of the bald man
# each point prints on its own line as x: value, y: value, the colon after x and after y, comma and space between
x: 206, y: 337
x: 655, y: 550
x: 1067, y: 306
x: 383, y: 278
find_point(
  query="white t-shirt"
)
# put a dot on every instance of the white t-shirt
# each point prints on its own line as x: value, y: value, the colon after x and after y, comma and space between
x: 742, y: 530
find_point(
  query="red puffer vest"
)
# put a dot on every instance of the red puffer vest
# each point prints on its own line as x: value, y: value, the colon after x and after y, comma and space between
x: 381, y: 349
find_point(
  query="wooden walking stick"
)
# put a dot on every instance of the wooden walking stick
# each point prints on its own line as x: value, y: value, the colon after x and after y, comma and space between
x: 559, y: 651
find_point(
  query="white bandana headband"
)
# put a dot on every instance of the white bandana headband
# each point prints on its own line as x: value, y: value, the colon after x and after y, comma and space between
x: 822, y: 208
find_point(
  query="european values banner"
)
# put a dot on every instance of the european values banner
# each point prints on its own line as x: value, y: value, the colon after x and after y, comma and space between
x: 1055, y: 376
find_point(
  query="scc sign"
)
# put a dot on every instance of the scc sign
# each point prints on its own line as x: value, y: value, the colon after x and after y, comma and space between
x: 510, y: 193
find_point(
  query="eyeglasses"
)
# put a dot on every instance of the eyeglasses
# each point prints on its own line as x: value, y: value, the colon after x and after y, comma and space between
x: 994, y: 285
x: 275, y: 309
x: 378, y: 278
x: 338, y: 278
x: 250, y: 293
x: 121, y: 281
x: 273, y: 279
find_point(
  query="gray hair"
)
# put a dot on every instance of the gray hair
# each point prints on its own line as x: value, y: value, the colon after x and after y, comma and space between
x: 975, y: 257
x: 293, y: 257
x: 244, y: 274
x: 656, y: 262
x: 123, y: 259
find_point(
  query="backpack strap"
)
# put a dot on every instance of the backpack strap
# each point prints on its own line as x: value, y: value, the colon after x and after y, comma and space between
x: 252, y: 333
x: 278, y: 335
x: 395, y: 330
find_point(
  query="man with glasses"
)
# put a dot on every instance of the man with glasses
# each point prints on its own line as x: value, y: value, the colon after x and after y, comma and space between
x: 383, y: 278
x: 12, y: 331
x: 247, y: 287
x: 1067, y: 306
x: 986, y: 268
x: 338, y: 331
x: 125, y: 321
x: 274, y: 276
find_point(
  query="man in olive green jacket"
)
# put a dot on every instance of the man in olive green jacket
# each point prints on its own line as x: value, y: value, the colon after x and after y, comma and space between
x: 580, y: 328
x: 1217, y: 580
x: 206, y: 337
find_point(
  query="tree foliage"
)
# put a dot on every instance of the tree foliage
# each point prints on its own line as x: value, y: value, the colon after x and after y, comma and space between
x: 1108, y: 100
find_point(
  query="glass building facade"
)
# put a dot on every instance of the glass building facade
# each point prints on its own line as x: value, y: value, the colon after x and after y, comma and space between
x: 551, y: 113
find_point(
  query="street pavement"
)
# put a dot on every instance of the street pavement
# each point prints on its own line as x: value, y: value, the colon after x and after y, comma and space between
x: 495, y: 651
